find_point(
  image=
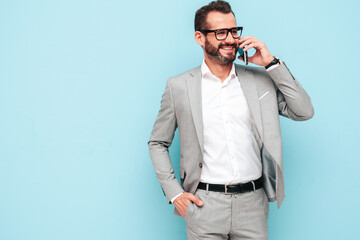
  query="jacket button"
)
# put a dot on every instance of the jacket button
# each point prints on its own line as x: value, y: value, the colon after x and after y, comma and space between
x: 200, y: 165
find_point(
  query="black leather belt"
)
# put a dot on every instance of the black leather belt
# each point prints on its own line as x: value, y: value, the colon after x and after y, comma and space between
x: 238, y: 188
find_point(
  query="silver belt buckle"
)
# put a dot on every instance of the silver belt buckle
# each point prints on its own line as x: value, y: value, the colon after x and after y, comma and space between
x: 254, y: 188
x: 226, y: 189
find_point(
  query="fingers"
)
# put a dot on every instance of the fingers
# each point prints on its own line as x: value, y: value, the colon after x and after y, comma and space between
x: 250, y: 40
x: 242, y: 39
x: 182, y: 202
x: 194, y: 199
x: 251, y: 45
x: 246, y: 42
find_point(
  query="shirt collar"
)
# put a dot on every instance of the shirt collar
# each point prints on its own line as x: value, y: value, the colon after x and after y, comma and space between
x: 205, y: 71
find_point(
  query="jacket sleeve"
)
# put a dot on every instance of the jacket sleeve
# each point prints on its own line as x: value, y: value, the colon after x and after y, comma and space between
x: 160, y: 140
x: 293, y: 101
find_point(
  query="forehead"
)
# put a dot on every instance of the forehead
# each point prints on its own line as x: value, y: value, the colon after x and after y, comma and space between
x: 217, y: 20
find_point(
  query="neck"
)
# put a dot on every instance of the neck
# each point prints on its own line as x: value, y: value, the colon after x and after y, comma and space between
x: 221, y: 71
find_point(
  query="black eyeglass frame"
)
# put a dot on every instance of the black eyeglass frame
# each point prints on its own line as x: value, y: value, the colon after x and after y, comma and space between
x: 227, y: 32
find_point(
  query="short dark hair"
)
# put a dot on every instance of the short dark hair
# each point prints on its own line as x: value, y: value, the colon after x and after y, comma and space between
x: 201, y: 14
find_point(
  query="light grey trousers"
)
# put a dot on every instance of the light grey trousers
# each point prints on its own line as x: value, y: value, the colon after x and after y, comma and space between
x: 228, y: 216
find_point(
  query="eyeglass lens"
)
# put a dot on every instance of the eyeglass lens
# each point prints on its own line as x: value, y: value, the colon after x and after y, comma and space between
x: 221, y: 34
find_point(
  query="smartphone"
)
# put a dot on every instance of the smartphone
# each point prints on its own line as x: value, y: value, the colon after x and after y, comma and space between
x: 244, y: 55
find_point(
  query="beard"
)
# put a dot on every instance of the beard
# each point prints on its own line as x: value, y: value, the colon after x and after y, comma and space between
x: 214, y: 52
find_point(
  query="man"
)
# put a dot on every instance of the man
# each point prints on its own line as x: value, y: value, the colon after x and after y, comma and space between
x: 228, y: 120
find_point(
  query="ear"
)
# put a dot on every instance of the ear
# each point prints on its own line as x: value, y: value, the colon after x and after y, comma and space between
x: 200, y: 38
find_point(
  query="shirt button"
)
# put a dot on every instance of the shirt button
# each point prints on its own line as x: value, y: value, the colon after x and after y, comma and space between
x: 200, y: 165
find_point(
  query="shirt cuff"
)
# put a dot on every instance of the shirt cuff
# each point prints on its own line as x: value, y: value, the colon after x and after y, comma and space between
x: 274, y: 66
x: 173, y: 199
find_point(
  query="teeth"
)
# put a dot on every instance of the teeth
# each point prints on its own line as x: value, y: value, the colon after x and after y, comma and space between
x: 227, y: 48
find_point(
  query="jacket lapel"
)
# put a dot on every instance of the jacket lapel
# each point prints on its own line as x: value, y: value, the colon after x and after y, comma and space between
x: 195, y: 98
x: 248, y: 86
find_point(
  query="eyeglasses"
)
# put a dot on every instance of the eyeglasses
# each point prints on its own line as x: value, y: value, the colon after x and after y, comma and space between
x: 222, y: 33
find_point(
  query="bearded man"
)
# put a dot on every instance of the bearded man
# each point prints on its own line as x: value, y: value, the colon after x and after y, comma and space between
x: 228, y: 121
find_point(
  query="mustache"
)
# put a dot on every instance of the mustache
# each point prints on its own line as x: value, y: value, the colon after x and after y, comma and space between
x: 227, y: 45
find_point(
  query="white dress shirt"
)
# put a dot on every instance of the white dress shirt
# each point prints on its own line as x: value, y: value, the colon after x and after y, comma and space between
x: 231, y: 150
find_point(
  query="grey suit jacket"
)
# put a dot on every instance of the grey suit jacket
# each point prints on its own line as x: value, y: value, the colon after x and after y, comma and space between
x: 268, y: 94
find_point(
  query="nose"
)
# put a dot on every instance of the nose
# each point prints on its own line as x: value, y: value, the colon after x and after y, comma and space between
x: 229, y: 38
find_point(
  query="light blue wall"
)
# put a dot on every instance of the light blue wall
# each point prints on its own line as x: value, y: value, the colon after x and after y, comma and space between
x: 80, y: 87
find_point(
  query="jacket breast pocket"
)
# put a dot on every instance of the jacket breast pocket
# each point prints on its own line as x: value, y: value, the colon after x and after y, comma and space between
x: 268, y: 104
x: 266, y: 97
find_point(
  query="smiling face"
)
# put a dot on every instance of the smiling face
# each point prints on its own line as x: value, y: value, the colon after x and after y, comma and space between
x: 224, y: 51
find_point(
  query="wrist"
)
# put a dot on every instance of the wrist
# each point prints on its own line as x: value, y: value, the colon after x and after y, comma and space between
x: 268, y: 60
x: 275, y: 61
x: 176, y: 197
